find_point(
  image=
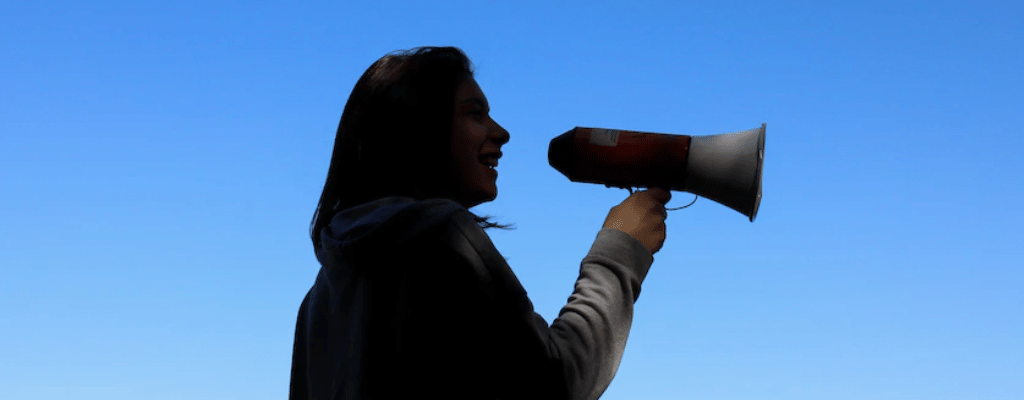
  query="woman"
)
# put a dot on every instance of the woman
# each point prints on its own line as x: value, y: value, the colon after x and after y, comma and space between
x: 412, y: 299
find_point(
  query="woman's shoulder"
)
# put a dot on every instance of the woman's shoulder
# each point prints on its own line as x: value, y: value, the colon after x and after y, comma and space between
x: 391, y: 222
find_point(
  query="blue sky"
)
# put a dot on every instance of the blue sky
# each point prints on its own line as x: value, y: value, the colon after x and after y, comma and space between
x: 160, y: 162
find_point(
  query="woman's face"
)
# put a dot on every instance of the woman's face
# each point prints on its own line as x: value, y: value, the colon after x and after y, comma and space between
x: 474, y: 136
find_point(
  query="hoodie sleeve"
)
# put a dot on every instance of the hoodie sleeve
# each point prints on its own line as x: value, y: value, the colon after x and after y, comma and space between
x: 589, y: 335
x: 577, y: 355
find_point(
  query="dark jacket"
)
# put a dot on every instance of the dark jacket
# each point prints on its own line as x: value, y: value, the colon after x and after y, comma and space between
x: 413, y: 301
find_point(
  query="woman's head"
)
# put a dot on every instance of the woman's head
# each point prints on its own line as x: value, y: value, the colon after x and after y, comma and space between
x: 395, y: 137
x: 476, y: 139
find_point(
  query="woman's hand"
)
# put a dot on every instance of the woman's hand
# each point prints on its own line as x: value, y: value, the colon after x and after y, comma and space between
x: 642, y: 216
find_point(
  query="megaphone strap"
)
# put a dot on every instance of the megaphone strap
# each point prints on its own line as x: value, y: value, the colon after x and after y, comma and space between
x: 680, y: 208
x: 630, y: 189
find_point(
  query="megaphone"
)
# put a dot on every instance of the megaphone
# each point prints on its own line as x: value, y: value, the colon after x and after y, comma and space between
x: 725, y: 168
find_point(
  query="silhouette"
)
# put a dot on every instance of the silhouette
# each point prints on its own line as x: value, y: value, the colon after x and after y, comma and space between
x: 412, y: 299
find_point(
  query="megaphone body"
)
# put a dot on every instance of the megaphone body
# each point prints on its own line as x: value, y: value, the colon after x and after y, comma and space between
x: 725, y: 168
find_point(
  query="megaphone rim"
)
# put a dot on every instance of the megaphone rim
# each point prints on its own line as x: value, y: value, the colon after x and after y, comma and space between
x: 760, y: 167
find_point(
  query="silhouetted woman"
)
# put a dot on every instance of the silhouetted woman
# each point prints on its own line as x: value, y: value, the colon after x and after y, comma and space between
x: 412, y: 299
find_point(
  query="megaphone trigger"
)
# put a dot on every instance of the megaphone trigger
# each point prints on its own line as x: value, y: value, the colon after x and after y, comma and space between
x: 630, y: 189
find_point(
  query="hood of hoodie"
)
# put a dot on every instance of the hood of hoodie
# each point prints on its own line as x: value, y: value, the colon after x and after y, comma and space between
x: 369, y: 232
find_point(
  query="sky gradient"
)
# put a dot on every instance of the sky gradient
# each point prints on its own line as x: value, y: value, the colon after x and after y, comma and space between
x: 160, y: 163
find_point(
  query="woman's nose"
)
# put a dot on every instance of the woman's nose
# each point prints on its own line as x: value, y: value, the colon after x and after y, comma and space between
x: 502, y: 134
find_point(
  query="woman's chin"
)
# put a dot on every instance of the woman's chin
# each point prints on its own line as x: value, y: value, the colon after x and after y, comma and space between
x: 481, y: 196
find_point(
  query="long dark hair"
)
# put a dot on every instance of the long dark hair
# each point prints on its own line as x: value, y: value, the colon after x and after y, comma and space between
x: 394, y: 138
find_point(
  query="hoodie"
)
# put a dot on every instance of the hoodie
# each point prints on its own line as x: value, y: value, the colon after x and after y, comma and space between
x: 412, y: 300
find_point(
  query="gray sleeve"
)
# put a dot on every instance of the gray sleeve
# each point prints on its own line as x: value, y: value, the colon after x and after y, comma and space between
x: 591, y: 329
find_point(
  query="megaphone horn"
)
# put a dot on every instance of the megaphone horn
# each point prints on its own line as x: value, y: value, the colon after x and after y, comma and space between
x: 727, y: 168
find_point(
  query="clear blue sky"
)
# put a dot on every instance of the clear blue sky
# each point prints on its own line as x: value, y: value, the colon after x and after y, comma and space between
x: 160, y: 163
